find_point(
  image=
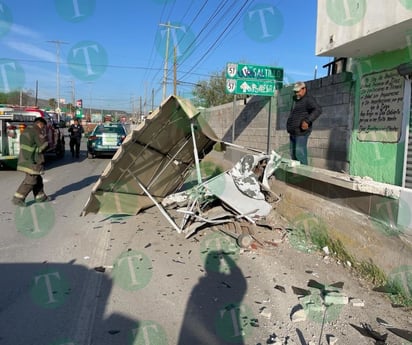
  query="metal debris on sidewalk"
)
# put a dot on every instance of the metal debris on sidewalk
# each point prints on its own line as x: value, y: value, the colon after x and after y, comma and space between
x: 235, y: 202
x: 153, y: 165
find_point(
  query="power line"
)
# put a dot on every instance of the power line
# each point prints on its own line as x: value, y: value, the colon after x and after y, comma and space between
x: 217, y: 16
x: 204, y: 27
x: 218, y: 38
x: 190, y: 25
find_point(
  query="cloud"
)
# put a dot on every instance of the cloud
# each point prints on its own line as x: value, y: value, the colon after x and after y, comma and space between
x: 24, y: 31
x: 32, y: 50
x: 20, y: 40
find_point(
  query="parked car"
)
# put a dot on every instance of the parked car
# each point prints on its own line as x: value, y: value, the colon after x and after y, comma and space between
x: 105, y: 139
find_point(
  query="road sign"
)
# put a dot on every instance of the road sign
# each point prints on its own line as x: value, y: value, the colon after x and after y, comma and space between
x: 244, y: 71
x: 251, y: 87
x: 79, y: 113
x: 242, y: 79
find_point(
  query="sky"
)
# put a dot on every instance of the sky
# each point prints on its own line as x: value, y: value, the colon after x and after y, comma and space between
x: 112, y: 54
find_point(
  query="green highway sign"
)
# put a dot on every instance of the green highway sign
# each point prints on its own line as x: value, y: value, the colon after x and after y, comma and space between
x: 251, y: 87
x: 79, y: 113
x: 245, y: 71
x: 244, y: 79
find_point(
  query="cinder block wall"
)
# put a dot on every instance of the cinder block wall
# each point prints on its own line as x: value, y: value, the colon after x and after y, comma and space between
x: 245, y: 123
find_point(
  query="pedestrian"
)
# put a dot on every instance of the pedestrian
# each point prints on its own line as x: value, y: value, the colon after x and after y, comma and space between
x: 76, y: 131
x: 299, y: 124
x: 33, y: 142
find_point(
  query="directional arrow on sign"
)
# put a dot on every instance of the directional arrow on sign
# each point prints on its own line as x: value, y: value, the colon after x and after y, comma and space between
x: 251, y: 87
x: 245, y: 71
x: 245, y: 87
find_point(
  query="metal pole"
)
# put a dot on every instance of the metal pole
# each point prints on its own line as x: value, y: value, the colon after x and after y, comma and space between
x: 234, y: 119
x: 159, y: 206
x: 174, y: 72
x: 165, y: 66
x: 195, y: 153
x: 58, y: 43
x: 168, y: 26
x: 269, y: 125
x: 37, y: 93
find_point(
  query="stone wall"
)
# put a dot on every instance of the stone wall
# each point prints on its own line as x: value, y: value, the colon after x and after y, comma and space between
x: 246, y: 122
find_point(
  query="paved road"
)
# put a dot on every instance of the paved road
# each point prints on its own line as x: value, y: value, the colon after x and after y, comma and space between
x: 71, y: 280
x: 46, y: 250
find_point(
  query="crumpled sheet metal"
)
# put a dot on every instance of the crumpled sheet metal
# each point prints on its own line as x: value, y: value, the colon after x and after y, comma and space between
x: 158, y: 155
x: 251, y: 169
x: 239, y: 188
x: 224, y: 188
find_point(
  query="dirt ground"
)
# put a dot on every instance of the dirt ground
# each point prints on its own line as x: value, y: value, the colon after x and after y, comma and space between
x: 292, y: 285
x: 289, y: 266
x: 276, y: 290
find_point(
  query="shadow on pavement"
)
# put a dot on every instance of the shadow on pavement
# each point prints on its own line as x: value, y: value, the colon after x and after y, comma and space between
x: 214, y: 313
x: 86, y: 182
x: 57, y: 303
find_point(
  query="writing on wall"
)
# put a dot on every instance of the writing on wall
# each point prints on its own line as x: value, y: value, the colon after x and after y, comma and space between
x: 381, y: 107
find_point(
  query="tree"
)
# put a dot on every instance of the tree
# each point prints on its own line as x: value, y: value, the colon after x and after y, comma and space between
x: 3, y: 98
x: 212, y: 92
x: 52, y: 103
x: 13, y: 97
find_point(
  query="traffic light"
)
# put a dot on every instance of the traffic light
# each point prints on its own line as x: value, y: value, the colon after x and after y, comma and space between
x: 79, y: 103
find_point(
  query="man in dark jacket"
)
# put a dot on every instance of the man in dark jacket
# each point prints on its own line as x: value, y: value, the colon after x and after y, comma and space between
x: 33, y: 142
x: 76, y: 131
x: 299, y: 124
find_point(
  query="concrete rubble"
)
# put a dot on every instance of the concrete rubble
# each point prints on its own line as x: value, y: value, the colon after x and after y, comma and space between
x: 356, y: 302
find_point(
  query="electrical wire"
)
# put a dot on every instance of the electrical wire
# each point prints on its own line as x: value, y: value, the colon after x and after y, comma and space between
x: 209, y: 24
x: 193, y: 20
x: 217, y: 40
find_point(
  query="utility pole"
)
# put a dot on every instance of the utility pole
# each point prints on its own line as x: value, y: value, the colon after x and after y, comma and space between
x: 37, y: 93
x: 73, y: 94
x: 90, y: 99
x: 132, y: 104
x: 58, y: 43
x: 174, y: 72
x: 168, y: 26
x: 145, y: 100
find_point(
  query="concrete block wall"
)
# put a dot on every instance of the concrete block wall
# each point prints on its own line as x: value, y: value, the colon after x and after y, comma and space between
x: 246, y: 122
x: 243, y: 122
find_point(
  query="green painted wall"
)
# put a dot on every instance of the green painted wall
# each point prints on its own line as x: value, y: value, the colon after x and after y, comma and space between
x: 381, y: 161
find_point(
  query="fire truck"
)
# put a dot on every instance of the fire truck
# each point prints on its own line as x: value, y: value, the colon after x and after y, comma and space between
x: 13, y: 121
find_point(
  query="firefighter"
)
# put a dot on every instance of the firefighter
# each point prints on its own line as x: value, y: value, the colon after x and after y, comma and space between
x: 76, y: 131
x: 33, y: 142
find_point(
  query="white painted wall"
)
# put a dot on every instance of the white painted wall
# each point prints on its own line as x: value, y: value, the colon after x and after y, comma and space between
x: 354, y: 28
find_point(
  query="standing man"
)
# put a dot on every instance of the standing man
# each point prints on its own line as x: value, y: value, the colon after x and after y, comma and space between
x: 299, y: 124
x: 76, y: 131
x: 33, y: 142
